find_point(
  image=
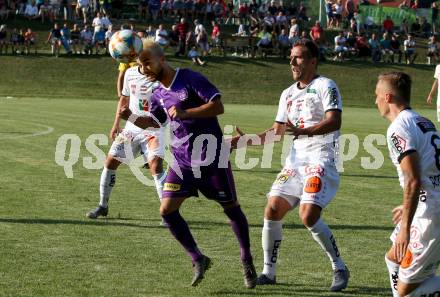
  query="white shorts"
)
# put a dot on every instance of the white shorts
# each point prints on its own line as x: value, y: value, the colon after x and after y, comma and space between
x: 315, y: 184
x: 423, y: 255
x: 128, y: 145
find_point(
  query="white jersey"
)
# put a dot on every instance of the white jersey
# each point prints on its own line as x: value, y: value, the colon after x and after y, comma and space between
x: 437, y: 76
x: 139, y: 89
x: 306, y: 107
x: 409, y: 133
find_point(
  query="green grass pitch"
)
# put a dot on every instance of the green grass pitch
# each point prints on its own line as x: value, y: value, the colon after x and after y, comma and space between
x: 48, y: 247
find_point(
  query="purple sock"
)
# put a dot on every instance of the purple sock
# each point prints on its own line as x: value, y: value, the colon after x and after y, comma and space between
x: 240, y: 227
x: 180, y: 230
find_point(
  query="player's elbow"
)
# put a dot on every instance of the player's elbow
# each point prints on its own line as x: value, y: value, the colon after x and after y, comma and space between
x: 413, y: 184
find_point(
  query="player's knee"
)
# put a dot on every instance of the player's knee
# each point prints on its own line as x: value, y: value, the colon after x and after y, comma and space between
x: 309, y: 219
x: 405, y: 291
x: 111, y: 163
x: 156, y: 165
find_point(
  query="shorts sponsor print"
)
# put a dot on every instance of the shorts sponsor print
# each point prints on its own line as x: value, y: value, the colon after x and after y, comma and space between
x: 214, y: 183
x: 316, y: 184
x: 422, y: 257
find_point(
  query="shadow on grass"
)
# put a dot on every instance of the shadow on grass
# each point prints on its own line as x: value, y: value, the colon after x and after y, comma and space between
x: 285, y: 289
x: 99, y: 222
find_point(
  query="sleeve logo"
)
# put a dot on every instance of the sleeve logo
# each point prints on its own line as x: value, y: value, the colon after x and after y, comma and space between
x: 398, y: 142
x: 334, y: 96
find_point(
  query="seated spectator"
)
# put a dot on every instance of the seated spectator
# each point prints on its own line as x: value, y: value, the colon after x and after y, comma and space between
x: 75, y: 39
x: 269, y: 21
x: 97, y: 21
x: 98, y: 40
x: 385, y: 45
x: 351, y: 43
x: 415, y: 27
x: 161, y: 36
x: 195, y: 57
x: 3, y: 39
x: 202, y: 41
x: 281, y: 21
x: 375, y: 48
x: 388, y: 25
x: 173, y: 37
x: 284, y: 44
x: 265, y: 41
x: 395, y: 47
x: 86, y: 38
x: 105, y: 21
x: 362, y: 46
x: 150, y: 32
x: 425, y: 28
x: 409, y: 49
x: 30, y: 41
x: 31, y: 11
x: 433, y: 50
x: 54, y: 39
x: 66, y: 38
x: 341, y: 48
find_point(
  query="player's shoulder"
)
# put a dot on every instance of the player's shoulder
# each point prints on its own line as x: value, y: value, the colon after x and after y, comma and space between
x: 323, y: 82
x: 406, y: 121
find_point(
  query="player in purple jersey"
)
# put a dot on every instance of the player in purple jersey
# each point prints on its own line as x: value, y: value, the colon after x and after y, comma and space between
x: 192, y: 104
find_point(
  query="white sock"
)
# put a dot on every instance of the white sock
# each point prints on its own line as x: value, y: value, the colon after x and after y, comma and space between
x: 159, y: 179
x: 272, y: 234
x: 108, y: 179
x: 393, y: 271
x: 323, y: 236
x: 430, y: 287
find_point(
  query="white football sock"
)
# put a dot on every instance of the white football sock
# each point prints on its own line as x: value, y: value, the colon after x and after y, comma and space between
x: 393, y: 271
x: 159, y: 179
x: 430, y: 287
x: 108, y: 179
x: 272, y: 234
x: 323, y: 236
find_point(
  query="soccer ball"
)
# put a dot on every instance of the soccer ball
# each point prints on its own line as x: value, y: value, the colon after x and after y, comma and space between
x: 125, y: 46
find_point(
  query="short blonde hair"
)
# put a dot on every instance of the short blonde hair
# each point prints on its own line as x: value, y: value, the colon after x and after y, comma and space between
x: 400, y: 82
x: 150, y: 46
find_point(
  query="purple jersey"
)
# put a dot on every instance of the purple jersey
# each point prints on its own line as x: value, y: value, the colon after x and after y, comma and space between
x: 189, y: 89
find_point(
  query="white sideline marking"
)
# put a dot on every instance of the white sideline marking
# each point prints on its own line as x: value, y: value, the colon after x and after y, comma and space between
x: 48, y: 130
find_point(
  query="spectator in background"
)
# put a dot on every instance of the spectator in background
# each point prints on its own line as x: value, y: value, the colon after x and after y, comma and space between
x: 3, y: 39
x: 161, y: 36
x: 150, y: 33
x: 215, y: 35
x: 108, y: 36
x: 64, y: 9
x: 376, y: 52
x: 193, y: 54
x: 425, y: 27
x: 434, y: 17
x: 329, y: 13
x: 190, y: 39
x: 82, y: 8
x: 31, y: 11
x: 302, y: 12
x: 395, y: 47
x: 143, y: 9
x: 359, y: 22
x: 415, y: 27
x: 362, y: 46
x: 284, y: 44
x: 97, y: 21
x: 182, y: 28
x: 174, y: 38
x: 404, y: 27
x: 105, y: 21
x: 409, y: 49
x: 75, y: 35
x: 29, y: 41
x: 388, y: 25
x: 341, y: 48
x: 46, y: 11
x: 86, y: 40
x: 385, y: 45
x: 54, y: 39
x: 281, y: 22
x: 317, y: 33
x: 350, y: 9
x: 337, y: 13
x: 153, y: 9
x: 98, y: 39
x: 433, y: 50
x: 66, y: 38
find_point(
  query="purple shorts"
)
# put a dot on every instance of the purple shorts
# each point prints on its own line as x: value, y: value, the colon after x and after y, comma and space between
x: 214, y: 183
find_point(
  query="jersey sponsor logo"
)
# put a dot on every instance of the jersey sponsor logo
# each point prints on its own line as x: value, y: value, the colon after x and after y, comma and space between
x: 423, y: 196
x: 311, y: 91
x: 425, y: 125
x: 171, y: 187
x: 143, y: 104
x: 407, y: 260
x: 289, y: 172
x: 398, y: 142
x: 313, y: 185
x: 334, y: 96
x: 309, y: 170
x: 435, y: 180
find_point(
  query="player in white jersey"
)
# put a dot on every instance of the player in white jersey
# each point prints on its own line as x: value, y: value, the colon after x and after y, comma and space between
x: 414, y: 146
x: 434, y: 89
x: 311, y: 110
x: 132, y: 140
